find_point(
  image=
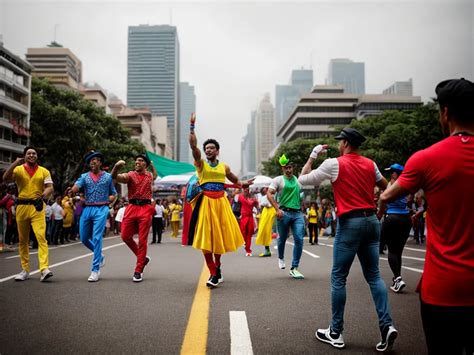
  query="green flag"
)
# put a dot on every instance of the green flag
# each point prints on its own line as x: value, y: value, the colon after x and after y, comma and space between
x: 165, y: 166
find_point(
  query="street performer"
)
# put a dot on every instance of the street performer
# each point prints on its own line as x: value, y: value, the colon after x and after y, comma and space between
x: 139, y: 212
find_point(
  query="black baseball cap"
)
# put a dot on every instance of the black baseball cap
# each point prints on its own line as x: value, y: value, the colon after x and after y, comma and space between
x: 352, y: 136
x: 457, y: 92
x: 144, y: 157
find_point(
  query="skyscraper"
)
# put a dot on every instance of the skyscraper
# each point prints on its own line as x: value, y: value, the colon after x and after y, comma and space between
x: 153, y: 74
x: 248, y: 148
x: 287, y: 96
x: 187, y: 105
x: 349, y: 74
x: 403, y: 88
x: 265, y: 131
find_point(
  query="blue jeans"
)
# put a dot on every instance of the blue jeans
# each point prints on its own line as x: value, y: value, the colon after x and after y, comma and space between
x: 294, y: 220
x: 357, y: 236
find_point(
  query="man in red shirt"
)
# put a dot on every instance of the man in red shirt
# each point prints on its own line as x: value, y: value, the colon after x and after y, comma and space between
x: 353, y: 179
x: 247, y: 225
x: 445, y: 172
x: 139, y: 212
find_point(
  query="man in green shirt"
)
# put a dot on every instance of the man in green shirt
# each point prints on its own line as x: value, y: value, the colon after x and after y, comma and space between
x: 288, y: 214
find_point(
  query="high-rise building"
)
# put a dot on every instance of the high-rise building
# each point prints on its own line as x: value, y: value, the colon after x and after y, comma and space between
x: 248, y: 149
x: 349, y: 74
x: 327, y: 106
x: 57, y: 64
x: 187, y: 104
x: 153, y: 74
x: 404, y: 88
x: 15, y: 101
x: 287, y: 96
x: 264, y: 131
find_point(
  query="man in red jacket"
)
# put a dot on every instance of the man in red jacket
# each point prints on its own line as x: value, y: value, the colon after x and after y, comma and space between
x: 445, y: 172
x: 353, y: 179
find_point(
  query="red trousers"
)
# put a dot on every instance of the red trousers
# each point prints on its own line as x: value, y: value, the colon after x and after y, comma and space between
x: 137, y: 219
x: 247, y: 227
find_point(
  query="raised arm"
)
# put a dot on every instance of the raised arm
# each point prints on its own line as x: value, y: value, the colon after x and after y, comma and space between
x: 194, y: 148
x: 122, y: 178
x: 8, y: 175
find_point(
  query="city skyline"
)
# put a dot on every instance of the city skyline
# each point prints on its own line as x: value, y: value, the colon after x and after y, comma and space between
x: 234, y: 60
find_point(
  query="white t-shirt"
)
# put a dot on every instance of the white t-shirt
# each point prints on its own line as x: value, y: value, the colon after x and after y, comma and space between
x: 120, y: 214
x: 264, y: 202
x: 159, y: 209
x: 57, y: 211
x: 328, y: 170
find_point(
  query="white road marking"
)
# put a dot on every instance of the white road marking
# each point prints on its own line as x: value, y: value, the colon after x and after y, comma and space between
x: 306, y: 252
x: 240, y: 342
x: 56, y: 247
x: 406, y: 267
x: 63, y: 262
x: 414, y: 249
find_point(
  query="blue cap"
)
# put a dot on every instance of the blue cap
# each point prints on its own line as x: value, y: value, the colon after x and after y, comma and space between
x: 93, y: 154
x: 396, y: 167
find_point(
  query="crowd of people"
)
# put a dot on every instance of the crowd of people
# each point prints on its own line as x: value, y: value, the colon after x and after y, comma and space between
x: 368, y: 213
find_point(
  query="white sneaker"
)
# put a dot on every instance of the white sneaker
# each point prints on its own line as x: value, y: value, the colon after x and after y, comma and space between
x: 327, y: 336
x: 22, y: 276
x: 281, y: 263
x: 45, y: 274
x: 94, y: 277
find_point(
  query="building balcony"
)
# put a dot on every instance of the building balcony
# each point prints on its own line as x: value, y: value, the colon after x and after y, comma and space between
x: 14, y: 105
x: 11, y: 146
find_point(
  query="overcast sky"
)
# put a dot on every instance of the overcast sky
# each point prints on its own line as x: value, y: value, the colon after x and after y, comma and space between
x: 235, y: 52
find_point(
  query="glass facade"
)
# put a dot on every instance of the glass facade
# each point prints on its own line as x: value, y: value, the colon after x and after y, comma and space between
x: 153, y: 74
x: 349, y: 74
x: 187, y: 104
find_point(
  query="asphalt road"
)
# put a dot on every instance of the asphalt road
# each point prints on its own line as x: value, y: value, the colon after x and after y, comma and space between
x: 117, y: 316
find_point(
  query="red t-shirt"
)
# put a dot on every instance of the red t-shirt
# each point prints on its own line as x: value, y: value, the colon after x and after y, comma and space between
x: 140, y: 185
x: 247, y: 205
x: 445, y: 171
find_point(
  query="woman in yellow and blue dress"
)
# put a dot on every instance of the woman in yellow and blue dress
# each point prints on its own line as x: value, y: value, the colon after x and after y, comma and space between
x: 213, y: 227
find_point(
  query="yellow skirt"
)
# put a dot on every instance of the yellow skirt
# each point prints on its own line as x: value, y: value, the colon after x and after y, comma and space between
x: 217, y: 230
x: 264, y: 236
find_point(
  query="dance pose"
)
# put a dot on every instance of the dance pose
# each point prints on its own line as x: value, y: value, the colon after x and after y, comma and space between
x: 213, y: 228
x: 34, y: 185
x: 139, y: 213
x: 98, y: 187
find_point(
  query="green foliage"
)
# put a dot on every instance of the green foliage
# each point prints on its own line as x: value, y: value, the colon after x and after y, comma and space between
x: 392, y: 137
x: 65, y: 127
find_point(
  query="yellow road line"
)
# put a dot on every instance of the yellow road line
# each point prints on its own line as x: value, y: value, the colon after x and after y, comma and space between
x: 195, y: 337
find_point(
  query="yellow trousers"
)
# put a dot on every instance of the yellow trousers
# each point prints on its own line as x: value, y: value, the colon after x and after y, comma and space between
x: 175, y: 228
x: 26, y: 216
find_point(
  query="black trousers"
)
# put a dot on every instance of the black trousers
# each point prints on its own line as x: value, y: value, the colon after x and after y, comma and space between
x: 448, y: 330
x: 157, y: 226
x: 313, y: 232
x: 395, y: 232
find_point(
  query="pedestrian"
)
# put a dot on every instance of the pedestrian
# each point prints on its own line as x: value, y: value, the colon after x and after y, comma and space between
x: 139, y: 212
x: 353, y: 178
x: 419, y: 219
x: 213, y: 228
x: 8, y: 202
x: 289, y: 214
x: 246, y: 223
x: 68, y: 205
x: 119, y: 216
x: 175, y: 209
x: 34, y: 185
x: 395, y: 230
x: 58, y: 217
x: 313, y: 223
x: 157, y: 223
x: 98, y: 188
x: 445, y: 172
x: 265, y: 226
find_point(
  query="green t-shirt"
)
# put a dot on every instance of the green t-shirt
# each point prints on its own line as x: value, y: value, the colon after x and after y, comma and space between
x: 288, y: 191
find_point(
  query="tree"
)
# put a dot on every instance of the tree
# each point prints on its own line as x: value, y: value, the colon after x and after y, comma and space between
x: 65, y: 127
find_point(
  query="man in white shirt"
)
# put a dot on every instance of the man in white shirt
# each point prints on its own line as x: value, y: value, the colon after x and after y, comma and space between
x: 157, y: 223
x: 58, y: 215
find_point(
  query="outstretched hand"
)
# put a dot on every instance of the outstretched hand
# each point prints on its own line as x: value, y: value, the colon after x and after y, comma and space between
x: 319, y: 149
x: 248, y: 182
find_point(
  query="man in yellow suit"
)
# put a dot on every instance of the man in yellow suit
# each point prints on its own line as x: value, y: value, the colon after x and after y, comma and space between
x: 34, y: 185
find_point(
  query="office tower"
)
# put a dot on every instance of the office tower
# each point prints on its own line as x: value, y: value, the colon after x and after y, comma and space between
x: 402, y: 88
x: 187, y: 104
x: 153, y: 74
x: 265, y: 131
x: 349, y: 74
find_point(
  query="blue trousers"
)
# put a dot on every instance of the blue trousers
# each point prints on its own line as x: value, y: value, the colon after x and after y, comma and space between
x: 359, y: 236
x: 91, y: 231
x: 295, y: 221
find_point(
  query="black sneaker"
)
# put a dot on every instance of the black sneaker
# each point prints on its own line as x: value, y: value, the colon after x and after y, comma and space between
x: 137, y: 277
x: 220, y: 278
x: 330, y: 337
x: 212, y: 282
x: 389, y: 334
